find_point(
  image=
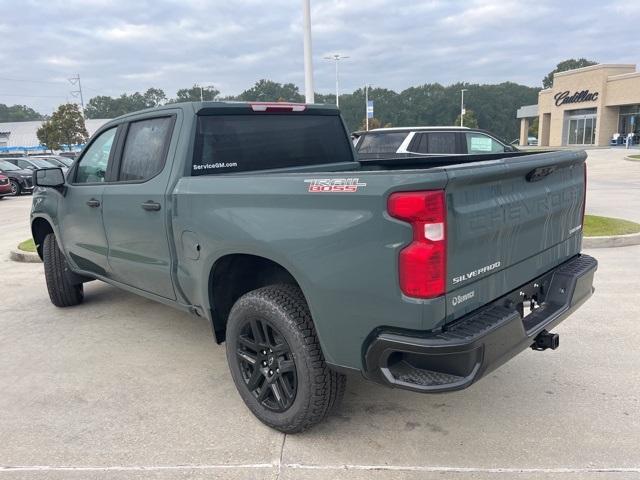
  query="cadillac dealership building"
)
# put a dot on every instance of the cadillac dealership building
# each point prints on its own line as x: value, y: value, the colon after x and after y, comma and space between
x: 586, y: 106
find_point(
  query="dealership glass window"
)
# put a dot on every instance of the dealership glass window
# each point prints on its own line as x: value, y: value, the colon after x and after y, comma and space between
x: 581, y: 127
x: 629, y: 121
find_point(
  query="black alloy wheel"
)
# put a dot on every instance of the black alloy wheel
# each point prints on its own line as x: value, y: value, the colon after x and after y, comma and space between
x: 267, y: 366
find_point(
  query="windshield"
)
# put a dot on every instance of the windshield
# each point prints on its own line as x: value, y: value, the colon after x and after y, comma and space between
x: 66, y: 161
x: 4, y: 165
x: 38, y: 162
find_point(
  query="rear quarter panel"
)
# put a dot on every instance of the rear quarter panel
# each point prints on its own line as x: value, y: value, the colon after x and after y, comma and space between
x: 341, y: 247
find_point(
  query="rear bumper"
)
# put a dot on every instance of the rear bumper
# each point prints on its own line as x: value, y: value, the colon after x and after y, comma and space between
x: 483, y: 340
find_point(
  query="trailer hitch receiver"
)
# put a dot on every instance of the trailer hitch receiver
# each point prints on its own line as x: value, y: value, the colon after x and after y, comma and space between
x: 546, y: 340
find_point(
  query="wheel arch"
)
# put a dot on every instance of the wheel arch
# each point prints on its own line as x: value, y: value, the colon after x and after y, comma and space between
x: 40, y: 228
x: 233, y: 275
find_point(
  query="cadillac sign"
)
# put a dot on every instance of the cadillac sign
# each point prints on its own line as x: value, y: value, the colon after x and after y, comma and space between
x: 584, y: 96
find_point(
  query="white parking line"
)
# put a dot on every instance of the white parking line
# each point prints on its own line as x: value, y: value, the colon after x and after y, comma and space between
x: 127, y: 468
x: 299, y: 466
x: 444, y: 469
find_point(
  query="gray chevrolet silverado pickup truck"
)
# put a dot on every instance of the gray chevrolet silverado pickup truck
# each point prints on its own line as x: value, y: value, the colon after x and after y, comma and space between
x: 310, y: 264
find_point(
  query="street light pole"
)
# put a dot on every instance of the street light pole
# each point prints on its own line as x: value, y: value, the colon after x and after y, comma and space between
x: 366, y: 106
x: 308, y: 59
x: 336, y: 58
x: 462, y: 106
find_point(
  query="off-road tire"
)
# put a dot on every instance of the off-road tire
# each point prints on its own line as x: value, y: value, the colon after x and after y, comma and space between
x: 319, y: 389
x: 63, y: 292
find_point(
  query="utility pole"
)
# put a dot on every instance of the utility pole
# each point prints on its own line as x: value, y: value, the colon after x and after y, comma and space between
x: 201, y: 94
x: 75, y: 81
x: 309, y: 95
x: 336, y: 58
x: 462, y: 106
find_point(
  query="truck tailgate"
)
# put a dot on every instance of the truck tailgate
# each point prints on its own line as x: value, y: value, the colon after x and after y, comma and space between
x: 510, y: 220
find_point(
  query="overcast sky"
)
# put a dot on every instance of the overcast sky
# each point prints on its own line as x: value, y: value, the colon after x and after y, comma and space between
x: 129, y: 45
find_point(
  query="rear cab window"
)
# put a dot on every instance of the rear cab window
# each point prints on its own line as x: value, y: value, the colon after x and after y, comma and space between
x: 233, y: 143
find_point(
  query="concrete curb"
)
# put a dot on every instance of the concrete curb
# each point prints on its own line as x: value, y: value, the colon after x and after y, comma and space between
x: 24, y: 257
x: 612, y: 241
x: 629, y: 159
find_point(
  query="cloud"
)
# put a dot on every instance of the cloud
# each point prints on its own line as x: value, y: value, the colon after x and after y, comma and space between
x: 125, y: 46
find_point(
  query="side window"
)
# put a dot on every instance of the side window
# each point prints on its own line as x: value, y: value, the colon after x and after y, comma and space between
x: 24, y: 164
x: 93, y: 164
x: 436, y: 143
x: 145, y: 149
x: 381, y: 142
x: 419, y: 144
x: 480, y: 143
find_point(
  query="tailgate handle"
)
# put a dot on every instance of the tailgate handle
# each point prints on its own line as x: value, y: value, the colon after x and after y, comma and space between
x: 540, y: 172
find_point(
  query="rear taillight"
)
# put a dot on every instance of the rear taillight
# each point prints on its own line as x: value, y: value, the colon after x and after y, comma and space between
x: 422, y: 264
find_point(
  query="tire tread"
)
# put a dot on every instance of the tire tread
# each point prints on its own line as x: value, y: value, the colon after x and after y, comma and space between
x: 62, y: 292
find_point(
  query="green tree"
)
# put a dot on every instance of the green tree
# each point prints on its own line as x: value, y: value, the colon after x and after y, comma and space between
x: 154, y: 97
x: 45, y: 135
x: 269, y: 91
x: 570, y: 64
x: 193, y: 94
x: 373, y: 123
x: 65, y: 127
x: 18, y: 113
x: 469, y: 119
x: 104, y: 106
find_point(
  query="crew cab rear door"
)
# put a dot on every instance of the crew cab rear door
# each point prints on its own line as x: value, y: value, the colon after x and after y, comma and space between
x: 135, y: 206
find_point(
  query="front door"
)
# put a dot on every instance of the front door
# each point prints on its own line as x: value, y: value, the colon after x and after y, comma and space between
x: 135, y: 209
x: 81, y: 213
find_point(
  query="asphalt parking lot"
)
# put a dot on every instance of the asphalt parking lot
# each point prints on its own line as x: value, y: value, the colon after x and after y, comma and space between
x: 124, y: 388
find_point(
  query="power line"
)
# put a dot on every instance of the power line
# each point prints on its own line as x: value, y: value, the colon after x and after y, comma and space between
x: 30, y: 81
x: 31, y: 96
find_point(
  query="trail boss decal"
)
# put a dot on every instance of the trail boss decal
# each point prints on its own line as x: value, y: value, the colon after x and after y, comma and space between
x: 330, y: 185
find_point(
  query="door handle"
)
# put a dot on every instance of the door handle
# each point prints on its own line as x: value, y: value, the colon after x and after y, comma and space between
x: 151, y: 206
x: 93, y: 203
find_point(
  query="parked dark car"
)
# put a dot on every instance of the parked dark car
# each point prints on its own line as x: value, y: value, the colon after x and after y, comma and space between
x: 407, y: 142
x: 30, y: 163
x: 21, y: 180
x: 5, y: 186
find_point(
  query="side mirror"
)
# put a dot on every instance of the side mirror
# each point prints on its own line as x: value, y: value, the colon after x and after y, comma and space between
x: 510, y: 148
x: 48, y: 177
